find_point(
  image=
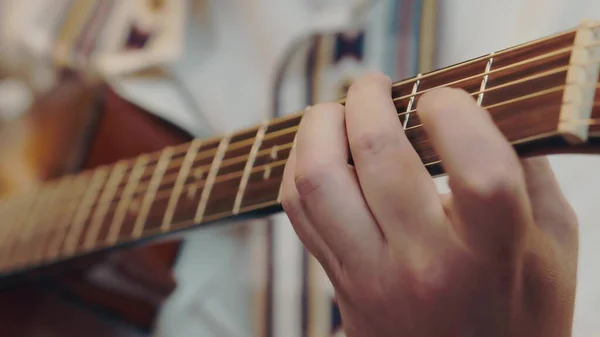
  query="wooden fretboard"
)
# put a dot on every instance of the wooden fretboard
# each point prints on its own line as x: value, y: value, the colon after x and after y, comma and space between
x: 541, y: 94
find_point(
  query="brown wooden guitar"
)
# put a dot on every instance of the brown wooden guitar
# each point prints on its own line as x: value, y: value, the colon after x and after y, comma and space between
x: 78, y: 126
x: 543, y: 95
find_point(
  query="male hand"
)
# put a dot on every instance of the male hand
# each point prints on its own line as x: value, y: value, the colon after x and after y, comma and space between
x: 496, y: 257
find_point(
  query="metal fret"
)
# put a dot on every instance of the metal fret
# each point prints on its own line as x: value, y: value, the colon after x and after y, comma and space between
x: 84, y: 210
x: 413, y: 95
x: 184, y: 172
x: 50, y: 214
x: 80, y: 186
x: 128, y: 192
x: 212, y: 175
x: 155, y: 181
x: 6, y: 213
x: 260, y: 134
x: 34, y: 215
x: 112, y: 184
x: 484, y: 81
x: 12, y: 224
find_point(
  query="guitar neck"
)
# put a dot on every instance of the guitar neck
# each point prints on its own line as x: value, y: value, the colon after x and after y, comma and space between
x: 542, y: 95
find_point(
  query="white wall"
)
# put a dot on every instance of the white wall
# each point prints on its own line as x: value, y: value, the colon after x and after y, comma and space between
x: 470, y: 28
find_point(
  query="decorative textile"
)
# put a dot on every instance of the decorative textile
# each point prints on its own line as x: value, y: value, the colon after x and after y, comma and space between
x: 104, y: 37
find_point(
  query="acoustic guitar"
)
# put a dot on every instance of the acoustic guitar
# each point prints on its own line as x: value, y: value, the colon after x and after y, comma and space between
x: 542, y: 95
x: 76, y: 126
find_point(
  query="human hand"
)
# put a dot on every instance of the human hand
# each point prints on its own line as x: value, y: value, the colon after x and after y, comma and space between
x: 496, y: 257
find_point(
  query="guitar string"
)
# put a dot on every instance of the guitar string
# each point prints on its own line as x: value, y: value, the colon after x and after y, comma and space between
x: 237, y: 174
x: 180, y: 149
x: 591, y: 122
x: 407, y: 112
x: 234, y: 175
x: 152, y: 231
x: 206, y: 154
x: 239, y: 159
x: 171, y: 178
x: 248, y: 142
x: 473, y: 61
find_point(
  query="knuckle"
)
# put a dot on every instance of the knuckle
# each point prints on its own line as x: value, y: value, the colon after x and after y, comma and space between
x: 311, y: 178
x: 372, y: 142
x: 291, y: 205
x: 494, y: 185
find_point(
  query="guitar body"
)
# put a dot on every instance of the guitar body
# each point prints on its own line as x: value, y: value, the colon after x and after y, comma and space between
x: 76, y: 127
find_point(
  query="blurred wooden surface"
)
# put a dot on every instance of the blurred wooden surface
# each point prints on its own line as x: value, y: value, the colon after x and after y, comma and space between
x: 74, y: 127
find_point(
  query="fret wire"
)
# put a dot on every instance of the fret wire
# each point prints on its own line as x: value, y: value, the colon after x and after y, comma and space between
x: 13, y: 226
x: 227, y: 162
x: 23, y: 244
x: 233, y: 160
x: 211, y: 177
x: 80, y: 186
x: 476, y: 76
x: 183, y: 174
x: 267, y: 165
x: 411, y: 80
x: 46, y: 228
x: 159, y: 171
x: 14, y: 256
x: 498, y: 53
x: 509, y: 84
x: 83, y: 211
x: 409, y: 96
x: 249, y: 164
x: 488, y: 67
x: 412, y: 101
x: 233, y: 146
x: 6, y: 213
x: 540, y: 93
x: 293, y: 129
x: 127, y: 196
x: 506, y: 102
x: 282, y: 119
x: 406, y: 81
x: 107, y: 195
x: 528, y: 96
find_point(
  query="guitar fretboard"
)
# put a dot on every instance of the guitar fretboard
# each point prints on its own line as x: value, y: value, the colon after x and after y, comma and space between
x: 527, y: 89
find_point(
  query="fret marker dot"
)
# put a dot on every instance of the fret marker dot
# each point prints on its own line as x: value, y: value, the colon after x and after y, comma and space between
x: 134, y: 206
x: 274, y: 151
x: 198, y: 174
x: 267, y: 173
x: 191, y: 192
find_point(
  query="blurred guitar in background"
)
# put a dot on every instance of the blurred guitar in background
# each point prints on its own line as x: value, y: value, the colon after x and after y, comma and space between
x: 76, y: 127
x: 77, y: 123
